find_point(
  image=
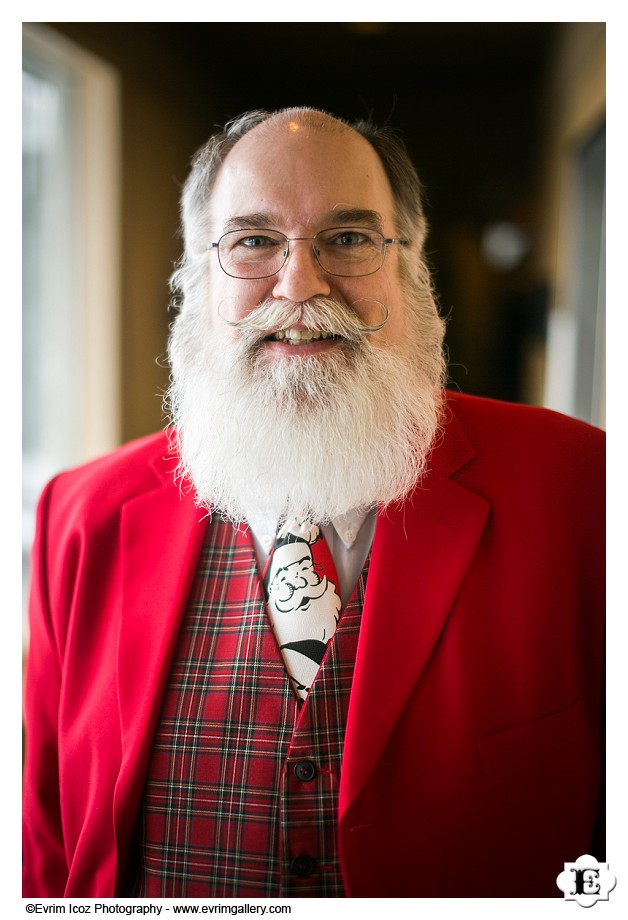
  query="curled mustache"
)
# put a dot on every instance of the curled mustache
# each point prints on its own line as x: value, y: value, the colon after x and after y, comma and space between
x: 320, y: 314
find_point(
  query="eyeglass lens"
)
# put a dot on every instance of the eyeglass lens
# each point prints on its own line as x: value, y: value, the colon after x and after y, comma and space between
x: 344, y: 251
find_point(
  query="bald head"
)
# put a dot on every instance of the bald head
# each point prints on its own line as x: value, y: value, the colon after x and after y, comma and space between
x: 401, y: 174
x: 300, y: 171
x: 297, y: 119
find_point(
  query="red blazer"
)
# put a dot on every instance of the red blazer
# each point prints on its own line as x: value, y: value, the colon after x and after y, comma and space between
x: 473, y: 746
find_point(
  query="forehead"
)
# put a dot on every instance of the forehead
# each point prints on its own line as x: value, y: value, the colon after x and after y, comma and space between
x: 299, y: 176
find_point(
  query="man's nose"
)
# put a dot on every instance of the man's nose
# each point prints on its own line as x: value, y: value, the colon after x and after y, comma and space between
x: 301, y: 277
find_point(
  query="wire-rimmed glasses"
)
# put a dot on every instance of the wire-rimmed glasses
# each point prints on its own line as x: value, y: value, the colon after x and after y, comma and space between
x: 347, y: 252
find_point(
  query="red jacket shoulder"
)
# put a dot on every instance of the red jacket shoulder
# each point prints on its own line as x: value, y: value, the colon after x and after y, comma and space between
x: 531, y: 461
x: 532, y: 433
x: 118, y: 475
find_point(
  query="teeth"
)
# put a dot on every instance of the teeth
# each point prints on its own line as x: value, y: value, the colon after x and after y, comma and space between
x: 301, y: 336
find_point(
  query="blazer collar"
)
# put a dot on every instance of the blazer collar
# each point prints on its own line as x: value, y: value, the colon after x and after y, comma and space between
x: 429, y: 542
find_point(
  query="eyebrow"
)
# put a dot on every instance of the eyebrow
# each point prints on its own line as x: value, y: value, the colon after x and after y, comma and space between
x: 257, y: 220
x: 359, y: 216
x: 339, y: 216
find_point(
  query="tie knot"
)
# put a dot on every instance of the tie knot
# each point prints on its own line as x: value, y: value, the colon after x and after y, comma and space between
x: 301, y: 528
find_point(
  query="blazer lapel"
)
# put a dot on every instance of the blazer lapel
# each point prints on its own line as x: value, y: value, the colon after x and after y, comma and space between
x: 420, y: 555
x: 161, y: 536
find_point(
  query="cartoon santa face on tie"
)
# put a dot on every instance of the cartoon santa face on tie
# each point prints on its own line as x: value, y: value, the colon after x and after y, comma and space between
x: 304, y: 607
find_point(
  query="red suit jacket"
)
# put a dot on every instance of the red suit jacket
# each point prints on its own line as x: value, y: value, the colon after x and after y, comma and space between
x: 472, y: 759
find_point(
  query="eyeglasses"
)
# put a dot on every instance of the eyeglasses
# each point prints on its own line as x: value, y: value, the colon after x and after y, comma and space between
x: 347, y: 252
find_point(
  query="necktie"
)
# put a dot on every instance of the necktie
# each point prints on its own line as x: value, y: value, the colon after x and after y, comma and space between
x: 303, y: 603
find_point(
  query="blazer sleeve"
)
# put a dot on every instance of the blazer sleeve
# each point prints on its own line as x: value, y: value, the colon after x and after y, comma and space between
x: 45, y: 867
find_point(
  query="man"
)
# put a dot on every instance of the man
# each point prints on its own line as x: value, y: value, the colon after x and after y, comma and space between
x: 447, y: 740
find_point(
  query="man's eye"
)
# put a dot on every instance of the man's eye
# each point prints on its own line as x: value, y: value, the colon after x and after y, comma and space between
x: 256, y: 242
x: 348, y: 238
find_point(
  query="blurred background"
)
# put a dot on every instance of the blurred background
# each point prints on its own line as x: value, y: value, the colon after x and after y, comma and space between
x: 505, y: 122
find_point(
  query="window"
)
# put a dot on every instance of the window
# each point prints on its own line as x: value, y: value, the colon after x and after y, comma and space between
x: 71, y: 273
x: 576, y: 342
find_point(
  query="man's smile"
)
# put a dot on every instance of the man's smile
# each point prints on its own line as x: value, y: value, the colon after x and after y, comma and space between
x: 299, y: 336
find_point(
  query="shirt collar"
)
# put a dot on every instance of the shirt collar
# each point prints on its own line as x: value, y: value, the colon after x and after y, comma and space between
x: 347, y: 526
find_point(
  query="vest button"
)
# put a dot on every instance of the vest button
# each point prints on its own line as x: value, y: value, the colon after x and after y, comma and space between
x: 303, y: 865
x: 305, y: 770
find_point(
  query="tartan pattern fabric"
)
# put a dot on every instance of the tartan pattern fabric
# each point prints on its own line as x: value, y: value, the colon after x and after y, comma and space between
x: 230, y: 807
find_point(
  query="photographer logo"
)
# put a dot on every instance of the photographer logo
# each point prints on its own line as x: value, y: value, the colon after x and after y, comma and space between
x: 586, y: 881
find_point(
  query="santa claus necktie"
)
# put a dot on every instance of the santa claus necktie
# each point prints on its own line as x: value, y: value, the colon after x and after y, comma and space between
x: 302, y: 597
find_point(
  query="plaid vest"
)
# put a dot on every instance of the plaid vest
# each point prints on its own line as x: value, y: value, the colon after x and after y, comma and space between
x: 241, y: 793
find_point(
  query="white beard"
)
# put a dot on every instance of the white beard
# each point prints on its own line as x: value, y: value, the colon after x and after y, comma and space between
x: 314, y: 436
